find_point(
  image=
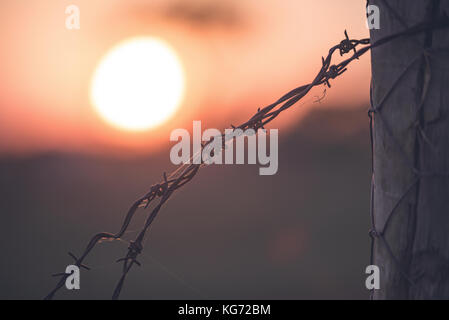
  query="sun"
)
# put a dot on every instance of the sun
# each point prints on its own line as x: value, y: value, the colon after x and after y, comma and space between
x: 138, y: 84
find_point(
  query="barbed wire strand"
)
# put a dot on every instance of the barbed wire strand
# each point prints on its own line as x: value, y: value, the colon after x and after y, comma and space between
x: 186, y: 172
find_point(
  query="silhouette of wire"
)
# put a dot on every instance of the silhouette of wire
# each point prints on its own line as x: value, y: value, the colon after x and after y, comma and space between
x: 162, y: 191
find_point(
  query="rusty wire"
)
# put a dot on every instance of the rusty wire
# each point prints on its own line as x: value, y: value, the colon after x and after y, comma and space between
x: 187, y: 172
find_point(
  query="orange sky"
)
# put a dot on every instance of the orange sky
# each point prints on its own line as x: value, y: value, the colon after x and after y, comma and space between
x: 238, y: 55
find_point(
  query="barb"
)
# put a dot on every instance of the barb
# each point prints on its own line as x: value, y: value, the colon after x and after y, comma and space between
x: 185, y: 173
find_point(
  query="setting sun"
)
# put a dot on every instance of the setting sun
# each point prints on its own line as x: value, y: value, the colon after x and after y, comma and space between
x: 138, y: 84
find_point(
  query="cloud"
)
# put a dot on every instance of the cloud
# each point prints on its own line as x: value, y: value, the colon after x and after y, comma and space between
x: 217, y: 14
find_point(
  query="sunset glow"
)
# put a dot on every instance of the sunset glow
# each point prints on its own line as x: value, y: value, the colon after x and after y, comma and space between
x: 128, y: 76
x: 138, y: 84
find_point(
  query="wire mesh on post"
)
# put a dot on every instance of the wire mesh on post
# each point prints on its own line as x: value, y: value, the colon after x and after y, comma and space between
x: 416, y: 173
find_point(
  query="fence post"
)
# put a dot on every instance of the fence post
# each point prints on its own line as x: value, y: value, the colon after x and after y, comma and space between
x: 410, y: 130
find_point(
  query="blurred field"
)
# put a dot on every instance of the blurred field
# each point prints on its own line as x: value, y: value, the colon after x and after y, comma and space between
x: 300, y: 234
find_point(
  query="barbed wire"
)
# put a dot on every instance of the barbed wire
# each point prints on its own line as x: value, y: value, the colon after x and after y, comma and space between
x: 186, y: 172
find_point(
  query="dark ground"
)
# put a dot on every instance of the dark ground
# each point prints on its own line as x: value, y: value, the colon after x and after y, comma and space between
x: 229, y: 234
